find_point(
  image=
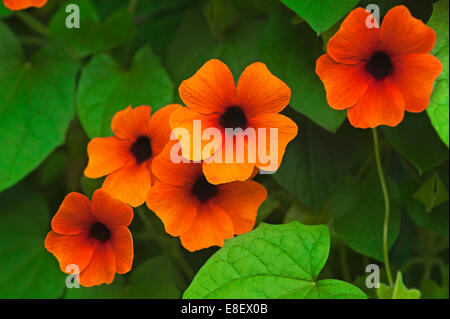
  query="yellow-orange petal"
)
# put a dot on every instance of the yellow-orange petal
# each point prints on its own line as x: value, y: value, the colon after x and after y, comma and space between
x: 107, y: 155
x: 218, y: 173
x: 344, y: 84
x: 70, y: 249
x: 269, y: 157
x: 23, y: 4
x: 102, y: 267
x: 74, y: 215
x: 383, y: 104
x: 414, y: 76
x: 174, y: 171
x: 129, y: 184
x: 193, y: 124
x: 131, y: 123
x: 401, y: 33
x: 122, y: 245
x: 210, y: 228
x: 259, y: 91
x: 110, y: 211
x: 211, y: 89
x: 241, y: 200
x: 175, y: 206
x: 160, y: 127
x: 354, y: 41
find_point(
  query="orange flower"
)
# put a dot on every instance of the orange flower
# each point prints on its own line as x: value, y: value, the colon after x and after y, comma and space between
x: 212, y: 97
x: 378, y: 73
x: 200, y: 213
x: 93, y: 236
x: 126, y: 157
x: 23, y: 4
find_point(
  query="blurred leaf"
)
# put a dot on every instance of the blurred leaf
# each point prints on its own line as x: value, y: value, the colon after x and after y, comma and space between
x: 153, y: 279
x: 221, y: 15
x: 36, y: 105
x: 111, y: 291
x: 321, y: 14
x: 415, y: 139
x: 432, y: 193
x: 283, y: 50
x: 4, y: 12
x: 105, y: 88
x: 439, y: 104
x: 27, y: 269
x: 266, y: 208
x: 89, y: 185
x: 358, y: 211
x: 193, y: 45
x: 437, y: 220
x: 246, y: 268
x: 398, y: 291
x: 431, y: 290
x: 93, y: 36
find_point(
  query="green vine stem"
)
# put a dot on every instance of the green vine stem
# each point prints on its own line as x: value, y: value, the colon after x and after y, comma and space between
x: 33, y: 23
x: 386, y: 205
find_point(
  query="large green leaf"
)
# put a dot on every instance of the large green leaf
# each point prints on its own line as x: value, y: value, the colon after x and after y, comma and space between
x: 106, y: 88
x: 273, y: 261
x: 321, y: 14
x: 398, y: 291
x: 93, y: 36
x: 358, y: 211
x: 36, y: 105
x: 4, y: 12
x: 27, y: 269
x: 290, y: 51
x: 415, y: 139
x: 193, y: 45
x: 439, y: 104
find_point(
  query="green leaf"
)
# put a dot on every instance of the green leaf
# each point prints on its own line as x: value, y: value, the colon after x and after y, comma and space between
x: 93, y: 36
x: 193, y: 45
x: 153, y: 279
x: 273, y: 261
x: 321, y: 14
x: 4, y: 11
x: 283, y: 50
x: 432, y: 193
x: 105, y: 88
x: 439, y: 103
x: 266, y: 209
x: 415, y: 139
x: 221, y: 15
x: 398, y: 291
x: 36, y: 105
x: 437, y: 220
x: 27, y: 269
x: 431, y: 290
x: 111, y: 291
x: 358, y: 211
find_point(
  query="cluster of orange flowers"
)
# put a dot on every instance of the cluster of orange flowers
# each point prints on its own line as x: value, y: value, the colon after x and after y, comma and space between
x: 376, y: 74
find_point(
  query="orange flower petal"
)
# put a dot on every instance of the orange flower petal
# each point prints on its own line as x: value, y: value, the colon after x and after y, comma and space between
x: 241, y: 200
x: 414, y: 76
x: 129, y: 184
x: 383, y: 104
x: 122, y: 244
x: 110, y: 211
x: 175, y: 174
x: 102, y: 267
x: 210, y: 228
x: 401, y: 33
x: 192, y: 145
x: 344, y: 84
x: 160, y: 127
x: 131, y: 123
x: 23, y: 4
x: 259, y: 91
x: 211, y: 89
x: 106, y: 155
x: 175, y: 206
x: 74, y: 215
x: 218, y: 173
x: 70, y: 249
x: 354, y: 42
x: 286, y: 129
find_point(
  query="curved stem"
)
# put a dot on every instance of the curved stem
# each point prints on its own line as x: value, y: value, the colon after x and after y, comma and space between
x: 33, y: 23
x: 386, y: 205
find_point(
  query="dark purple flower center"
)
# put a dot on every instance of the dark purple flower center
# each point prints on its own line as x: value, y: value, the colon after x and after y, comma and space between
x: 203, y: 189
x: 233, y: 117
x: 141, y: 149
x: 100, y: 232
x: 380, y: 65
